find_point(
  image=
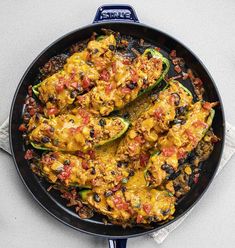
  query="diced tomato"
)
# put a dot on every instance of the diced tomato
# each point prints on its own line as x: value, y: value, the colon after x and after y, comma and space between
x: 85, y: 115
x: 190, y: 135
x: 197, y: 82
x: 199, y: 123
x: 126, y: 61
x: 86, y: 120
x: 114, y: 68
x: 172, y: 100
x: 32, y: 111
x: 91, y: 154
x: 147, y: 208
x: 80, y: 99
x: 52, y: 111
x: 80, y: 154
x: 119, y: 178
x: 59, y: 87
x: 22, y: 128
x: 74, y: 130
x: 74, y: 85
x: 120, y: 204
x: 139, y: 218
x: 29, y: 154
x: 86, y: 82
x: 196, y: 178
x: 104, y: 75
x: 116, y: 188
x: 117, y: 200
x: 144, y: 158
x: 158, y: 113
x: 125, y: 90
x: 173, y: 54
x: 177, y: 69
x: 65, y: 174
x: 181, y: 153
x: 168, y: 151
x: 139, y: 139
x: 206, y: 105
x: 108, y: 88
x: 134, y: 75
x: 47, y: 159
x: 85, y: 165
x: 158, y: 49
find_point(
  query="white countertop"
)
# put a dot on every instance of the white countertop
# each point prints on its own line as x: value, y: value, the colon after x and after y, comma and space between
x: 27, y: 27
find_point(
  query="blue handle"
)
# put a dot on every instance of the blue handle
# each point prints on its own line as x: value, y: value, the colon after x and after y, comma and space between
x: 122, y: 12
x: 117, y: 243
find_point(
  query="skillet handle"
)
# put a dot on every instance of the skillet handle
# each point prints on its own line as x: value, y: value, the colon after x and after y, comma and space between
x: 111, y: 12
x: 117, y: 243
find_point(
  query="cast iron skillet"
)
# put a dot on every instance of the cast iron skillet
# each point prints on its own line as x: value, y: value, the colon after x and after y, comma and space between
x: 123, y: 19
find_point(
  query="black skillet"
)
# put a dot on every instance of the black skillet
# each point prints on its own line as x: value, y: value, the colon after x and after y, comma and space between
x: 120, y: 18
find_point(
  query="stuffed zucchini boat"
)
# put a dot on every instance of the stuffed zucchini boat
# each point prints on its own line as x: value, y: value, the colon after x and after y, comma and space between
x: 170, y: 107
x: 179, y: 142
x: 73, y: 133
x: 79, y: 75
x: 84, y: 170
x: 125, y: 81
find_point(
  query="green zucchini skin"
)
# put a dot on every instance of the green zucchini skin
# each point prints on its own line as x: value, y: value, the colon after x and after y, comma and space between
x: 35, y: 89
x: 84, y: 193
x: 104, y: 142
x: 165, y: 62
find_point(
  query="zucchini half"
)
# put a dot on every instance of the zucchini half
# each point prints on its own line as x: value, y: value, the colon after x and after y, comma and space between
x: 39, y: 132
x: 166, y: 67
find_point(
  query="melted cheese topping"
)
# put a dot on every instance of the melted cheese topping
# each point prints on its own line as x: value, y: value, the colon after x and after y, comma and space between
x: 75, y: 132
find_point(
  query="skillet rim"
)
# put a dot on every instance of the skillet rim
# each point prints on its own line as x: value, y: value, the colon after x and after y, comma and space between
x: 11, y: 130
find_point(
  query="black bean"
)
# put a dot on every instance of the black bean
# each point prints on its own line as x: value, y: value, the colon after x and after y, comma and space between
x: 132, y: 85
x: 37, y: 117
x: 108, y: 193
x: 149, y: 55
x: 95, y: 51
x: 176, y: 98
x: 89, y: 63
x: 79, y: 89
x: 113, y: 172
x: 111, y: 47
x: 126, y: 115
x: 52, y: 129
x: 145, y: 80
x: 93, y: 171
x: 181, y: 110
x: 102, y: 122
x: 96, y: 197
x: 71, y: 120
x: 66, y: 162
x: 92, y: 133
x: 45, y: 139
x: 123, y: 189
x: 81, y: 74
x: 167, y: 168
x: 181, y: 161
x: 73, y: 94
x: 177, y: 187
x: 131, y: 173
x: 178, y: 121
x: 165, y: 212
x: 51, y: 98
x: 122, y: 163
x: 174, y: 175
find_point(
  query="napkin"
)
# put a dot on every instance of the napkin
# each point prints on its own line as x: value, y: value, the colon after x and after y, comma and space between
x: 158, y: 236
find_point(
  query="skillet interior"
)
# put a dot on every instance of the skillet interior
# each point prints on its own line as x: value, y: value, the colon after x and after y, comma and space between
x: 51, y: 201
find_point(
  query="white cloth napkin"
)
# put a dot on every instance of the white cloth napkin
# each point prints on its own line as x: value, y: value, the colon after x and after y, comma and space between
x: 159, y: 236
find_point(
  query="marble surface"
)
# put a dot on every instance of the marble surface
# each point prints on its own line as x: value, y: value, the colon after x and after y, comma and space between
x: 27, y: 27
